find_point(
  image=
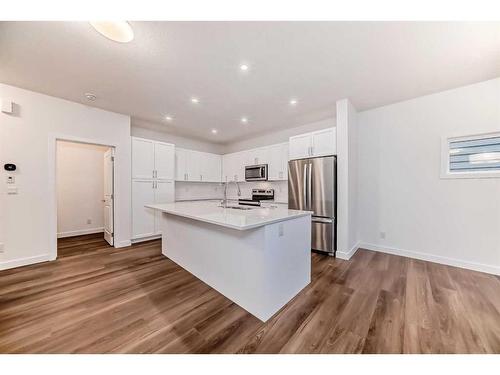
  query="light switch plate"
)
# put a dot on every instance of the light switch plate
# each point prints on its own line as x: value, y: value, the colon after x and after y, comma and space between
x: 6, y: 106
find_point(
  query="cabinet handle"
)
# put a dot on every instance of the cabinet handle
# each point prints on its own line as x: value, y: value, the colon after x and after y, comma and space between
x: 201, y: 177
x: 153, y: 173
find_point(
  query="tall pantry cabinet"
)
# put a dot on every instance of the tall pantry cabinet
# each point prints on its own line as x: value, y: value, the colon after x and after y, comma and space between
x: 153, y: 181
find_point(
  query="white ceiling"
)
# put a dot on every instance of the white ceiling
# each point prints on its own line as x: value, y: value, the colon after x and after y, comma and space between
x: 372, y: 63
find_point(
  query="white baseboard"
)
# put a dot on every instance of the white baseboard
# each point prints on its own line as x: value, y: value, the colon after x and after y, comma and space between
x: 80, y: 232
x: 122, y: 244
x: 24, y: 261
x: 433, y: 258
x: 143, y: 239
x: 349, y: 254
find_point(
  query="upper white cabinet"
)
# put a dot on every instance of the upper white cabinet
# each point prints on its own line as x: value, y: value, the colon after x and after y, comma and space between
x: 151, y: 159
x: 317, y: 143
x: 233, y: 166
x: 278, y: 162
x: 275, y: 156
x: 164, y: 161
x: 197, y: 166
x: 143, y: 158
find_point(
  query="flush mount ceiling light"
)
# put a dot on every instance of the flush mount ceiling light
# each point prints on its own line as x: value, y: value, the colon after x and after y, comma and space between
x: 195, y: 100
x: 118, y: 31
x: 90, y: 96
x: 168, y: 118
x: 214, y: 131
x: 244, y: 67
x: 293, y: 101
x: 244, y: 120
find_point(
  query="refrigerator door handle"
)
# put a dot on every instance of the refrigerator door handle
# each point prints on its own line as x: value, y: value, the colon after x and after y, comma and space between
x: 321, y: 220
x: 305, y: 186
x: 309, y: 188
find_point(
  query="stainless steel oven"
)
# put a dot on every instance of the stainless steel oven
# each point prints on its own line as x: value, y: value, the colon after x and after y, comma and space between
x: 256, y: 172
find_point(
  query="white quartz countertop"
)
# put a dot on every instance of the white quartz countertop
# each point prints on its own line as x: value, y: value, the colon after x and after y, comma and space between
x: 210, y: 212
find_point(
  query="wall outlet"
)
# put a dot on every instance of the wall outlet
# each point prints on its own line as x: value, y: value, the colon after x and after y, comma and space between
x: 89, y: 221
x: 382, y: 235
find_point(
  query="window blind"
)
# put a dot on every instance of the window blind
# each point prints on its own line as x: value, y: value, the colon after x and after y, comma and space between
x: 481, y: 154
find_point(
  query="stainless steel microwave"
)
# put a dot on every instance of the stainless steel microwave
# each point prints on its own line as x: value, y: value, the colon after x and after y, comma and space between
x: 256, y: 172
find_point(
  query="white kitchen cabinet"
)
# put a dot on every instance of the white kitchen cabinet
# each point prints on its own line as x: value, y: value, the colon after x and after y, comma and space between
x: 164, y: 161
x: 143, y: 158
x: 233, y: 166
x: 145, y: 221
x: 152, y: 159
x: 277, y: 162
x: 196, y: 166
x: 318, y: 143
x: 211, y: 167
x: 324, y: 142
x: 164, y: 192
x: 300, y: 146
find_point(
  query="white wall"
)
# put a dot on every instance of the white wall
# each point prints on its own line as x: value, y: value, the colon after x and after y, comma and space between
x: 80, y: 188
x: 27, y: 138
x: 279, y: 136
x: 453, y: 221
x: 347, y: 180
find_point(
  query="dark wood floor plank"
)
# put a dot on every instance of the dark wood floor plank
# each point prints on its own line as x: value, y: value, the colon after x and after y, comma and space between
x: 97, y: 299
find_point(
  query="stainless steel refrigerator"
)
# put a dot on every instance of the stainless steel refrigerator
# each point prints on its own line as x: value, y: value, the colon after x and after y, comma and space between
x: 312, y: 186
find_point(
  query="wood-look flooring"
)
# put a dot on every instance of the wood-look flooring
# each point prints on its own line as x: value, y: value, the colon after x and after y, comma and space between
x: 97, y: 299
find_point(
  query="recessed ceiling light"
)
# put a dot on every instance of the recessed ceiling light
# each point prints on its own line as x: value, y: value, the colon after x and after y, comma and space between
x: 214, y: 131
x: 293, y: 101
x: 244, y: 67
x: 168, y: 118
x: 244, y: 120
x: 90, y: 96
x: 118, y: 31
x: 195, y: 100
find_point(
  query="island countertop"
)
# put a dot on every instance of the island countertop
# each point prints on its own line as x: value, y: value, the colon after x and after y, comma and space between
x: 211, y: 212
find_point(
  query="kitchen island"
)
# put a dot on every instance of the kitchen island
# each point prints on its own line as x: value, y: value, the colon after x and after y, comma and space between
x: 259, y: 258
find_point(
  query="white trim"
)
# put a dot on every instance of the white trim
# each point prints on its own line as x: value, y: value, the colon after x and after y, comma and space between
x: 350, y: 253
x: 495, y: 270
x: 80, y: 232
x: 445, y: 158
x: 52, y: 161
x: 148, y: 238
x: 24, y: 261
x: 122, y: 244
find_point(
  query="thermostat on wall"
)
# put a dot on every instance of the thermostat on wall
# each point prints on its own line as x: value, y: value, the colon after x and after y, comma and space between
x: 9, y: 167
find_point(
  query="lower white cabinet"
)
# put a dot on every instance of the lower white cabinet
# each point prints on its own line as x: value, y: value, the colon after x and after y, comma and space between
x: 145, y: 222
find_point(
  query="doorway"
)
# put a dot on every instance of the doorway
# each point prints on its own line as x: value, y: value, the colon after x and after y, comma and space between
x: 85, y: 197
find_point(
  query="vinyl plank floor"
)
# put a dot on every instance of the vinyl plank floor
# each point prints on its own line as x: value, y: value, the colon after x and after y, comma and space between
x: 97, y: 299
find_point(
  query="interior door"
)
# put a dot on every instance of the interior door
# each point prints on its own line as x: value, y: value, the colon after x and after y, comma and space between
x: 297, y: 180
x: 321, y: 186
x: 108, y: 196
x: 164, y: 161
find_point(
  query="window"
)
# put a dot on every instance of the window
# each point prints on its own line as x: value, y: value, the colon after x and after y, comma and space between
x: 472, y: 157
